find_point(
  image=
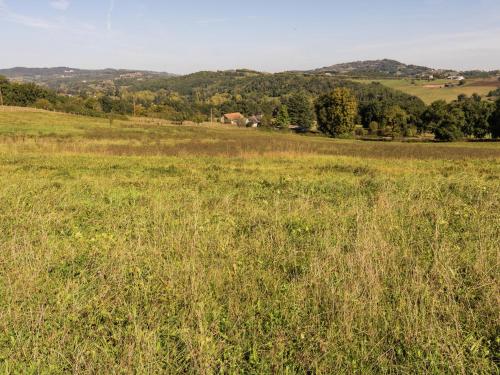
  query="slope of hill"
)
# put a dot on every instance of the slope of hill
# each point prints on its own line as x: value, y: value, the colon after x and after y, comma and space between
x: 379, y: 68
x: 252, y: 92
x: 199, y: 95
x: 59, y: 77
x: 247, y: 83
x: 440, y: 89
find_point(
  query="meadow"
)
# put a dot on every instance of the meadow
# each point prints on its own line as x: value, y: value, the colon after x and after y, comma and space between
x: 141, y: 247
x: 424, y: 90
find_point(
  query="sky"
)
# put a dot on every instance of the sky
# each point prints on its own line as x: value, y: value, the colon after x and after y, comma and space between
x: 273, y: 35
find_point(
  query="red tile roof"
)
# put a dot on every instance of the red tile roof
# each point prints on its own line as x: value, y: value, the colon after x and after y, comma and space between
x: 233, y: 116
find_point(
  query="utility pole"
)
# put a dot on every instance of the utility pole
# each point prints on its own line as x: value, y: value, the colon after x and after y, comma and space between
x: 211, y: 116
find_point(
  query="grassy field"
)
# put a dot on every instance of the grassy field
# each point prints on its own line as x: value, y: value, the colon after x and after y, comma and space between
x: 429, y: 94
x: 138, y: 248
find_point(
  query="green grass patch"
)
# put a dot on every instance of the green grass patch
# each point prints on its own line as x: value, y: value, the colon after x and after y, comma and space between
x: 430, y: 91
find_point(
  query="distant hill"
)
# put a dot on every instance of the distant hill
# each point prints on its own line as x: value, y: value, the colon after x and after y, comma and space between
x: 377, y: 68
x: 57, y: 77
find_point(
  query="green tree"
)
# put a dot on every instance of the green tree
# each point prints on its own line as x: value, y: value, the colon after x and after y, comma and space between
x: 115, y: 105
x: 449, y: 128
x: 198, y: 119
x: 301, y: 110
x: 371, y: 111
x: 446, y: 121
x: 495, y: 121
x: 93, y: 104
x: 397, y: 119
x: 106, y: 103
x: 433, y: 116
x: 336, y: 112
x: 283, y: 118
x: 43, y: 104
x: 266, y: 122
x: 477, y: 113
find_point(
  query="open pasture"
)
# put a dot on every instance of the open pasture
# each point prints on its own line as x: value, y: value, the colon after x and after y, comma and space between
x: 139, y: 248
x: 430, y: 91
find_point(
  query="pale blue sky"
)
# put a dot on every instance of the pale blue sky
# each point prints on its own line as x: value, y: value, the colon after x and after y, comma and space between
x: 274, y: 35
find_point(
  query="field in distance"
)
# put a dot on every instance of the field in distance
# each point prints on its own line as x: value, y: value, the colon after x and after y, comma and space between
x: 144, y: 248
x: 430, y: 91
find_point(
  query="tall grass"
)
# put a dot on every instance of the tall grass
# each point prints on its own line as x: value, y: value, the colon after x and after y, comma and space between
x: 292, y: 263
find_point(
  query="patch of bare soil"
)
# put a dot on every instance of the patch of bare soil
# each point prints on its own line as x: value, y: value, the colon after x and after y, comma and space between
x: 433, y: 86
x: 487, y: 83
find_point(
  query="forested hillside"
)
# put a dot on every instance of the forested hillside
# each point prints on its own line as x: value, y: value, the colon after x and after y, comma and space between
x: 71, y: 80
x: 376, y: 68
x: 280, y: 100
x: 195, y: 96
x: 251, y: 92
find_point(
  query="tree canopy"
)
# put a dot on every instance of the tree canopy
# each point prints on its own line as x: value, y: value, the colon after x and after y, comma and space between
x: 301, y: 110
x: 336, y: 112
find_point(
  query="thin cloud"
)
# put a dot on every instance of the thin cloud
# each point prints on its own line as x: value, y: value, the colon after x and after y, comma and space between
x: 60, y: 4
x: 70, y: 27
x: 110, y: 14
x: 34, y: 22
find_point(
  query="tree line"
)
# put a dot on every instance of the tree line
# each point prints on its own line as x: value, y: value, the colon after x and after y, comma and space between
x: 337, y: 115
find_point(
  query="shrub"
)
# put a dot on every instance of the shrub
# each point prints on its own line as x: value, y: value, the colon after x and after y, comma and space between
x: 373, y: 127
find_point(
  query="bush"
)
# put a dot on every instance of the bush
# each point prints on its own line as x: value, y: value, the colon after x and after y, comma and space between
x: 373, y: 127
x: 359, y: 131
x: 44, y: 104
x: 410, y: 131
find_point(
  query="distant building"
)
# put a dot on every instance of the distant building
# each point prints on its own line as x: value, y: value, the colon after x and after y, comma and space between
x: 254, y: 121
x: 456, y: 78
x: 232, y: 118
